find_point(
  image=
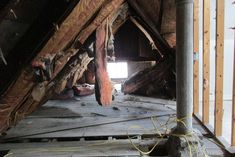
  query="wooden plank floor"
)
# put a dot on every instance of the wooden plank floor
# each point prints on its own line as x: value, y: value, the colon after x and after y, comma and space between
x: 62, y: 122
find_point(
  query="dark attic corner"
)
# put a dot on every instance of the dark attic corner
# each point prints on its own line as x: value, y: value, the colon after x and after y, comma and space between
x: 110, y: 78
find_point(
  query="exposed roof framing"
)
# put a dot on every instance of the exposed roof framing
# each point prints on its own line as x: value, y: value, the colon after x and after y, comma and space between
x: 161, y: 43
x: 15, y: 106
x: 64, y: 55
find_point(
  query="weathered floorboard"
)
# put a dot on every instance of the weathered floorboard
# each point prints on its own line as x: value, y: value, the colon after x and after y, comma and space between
x: 85, y: 119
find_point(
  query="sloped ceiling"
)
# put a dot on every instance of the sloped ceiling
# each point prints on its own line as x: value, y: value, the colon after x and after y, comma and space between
x: 152, y: 9
x: 50, y: 40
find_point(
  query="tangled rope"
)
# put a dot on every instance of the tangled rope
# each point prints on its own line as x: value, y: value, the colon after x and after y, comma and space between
x: 166, y: 128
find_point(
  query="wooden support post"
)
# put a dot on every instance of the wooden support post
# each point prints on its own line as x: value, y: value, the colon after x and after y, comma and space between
x: 219, y: 67
x: 103, y: 86
x: 206, y: 61
x: 233, y: 108
x: 196, y: 60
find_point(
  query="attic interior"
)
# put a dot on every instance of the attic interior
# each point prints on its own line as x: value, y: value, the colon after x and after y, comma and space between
x: 98, y: 78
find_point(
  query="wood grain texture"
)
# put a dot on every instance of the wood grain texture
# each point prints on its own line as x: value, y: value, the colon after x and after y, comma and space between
x: 105, y: 12
x: 71, y: 26
x: 206, y: 61
x: 219, y: 67
x: 103, y: 86
x: 196, y: 62
x: 17, y: 101
x: 91, y: 121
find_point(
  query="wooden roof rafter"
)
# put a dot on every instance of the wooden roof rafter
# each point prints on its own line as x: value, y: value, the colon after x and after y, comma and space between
x: 160, y: 42
x: 64, y: 56
x: 13, y: 106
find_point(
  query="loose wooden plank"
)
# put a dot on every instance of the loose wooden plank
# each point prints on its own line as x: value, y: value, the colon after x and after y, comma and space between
x: 233, y: 103
x: 206, y: 61
x: 81, y: 148
x: 103, y: 86
x: 196, y: 61
x: 219, y: 67
x: 78, y: 148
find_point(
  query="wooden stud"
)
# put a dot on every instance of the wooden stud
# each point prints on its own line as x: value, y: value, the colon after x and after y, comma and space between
x: 206, y: 61
x: 233, y: 108
x: 196, y: 61
x: 219, y: 67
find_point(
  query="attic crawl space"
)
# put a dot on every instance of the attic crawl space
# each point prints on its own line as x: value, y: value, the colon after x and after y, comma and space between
x: 108, y: 78
x: 48, y: 46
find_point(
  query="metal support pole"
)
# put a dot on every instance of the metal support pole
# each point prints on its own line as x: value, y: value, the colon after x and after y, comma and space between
x: 184, y: 65
x: 177, y: 145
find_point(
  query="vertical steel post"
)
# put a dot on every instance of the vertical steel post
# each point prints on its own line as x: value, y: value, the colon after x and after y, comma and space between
x: 184, y: 65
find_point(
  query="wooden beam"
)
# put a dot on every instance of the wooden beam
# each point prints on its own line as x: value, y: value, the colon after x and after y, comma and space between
x: 147, y: 35
x: 233, y: 103
x: 196, y: 60
x: 162, y: 44
x: 17, y: 100
x: 77, y: 64
x: 219, y: 67
x: 142, y: 80
x: 103, y: 87
x: 67, y: 31
x: 74, y: 67
x: 206, y: 61
x: 106, y: 11
x: 120, y: 17
x: 19, y: 93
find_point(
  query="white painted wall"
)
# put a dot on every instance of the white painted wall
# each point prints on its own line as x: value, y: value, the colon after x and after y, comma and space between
x: 228, y: 49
